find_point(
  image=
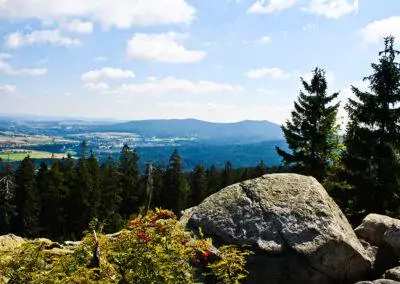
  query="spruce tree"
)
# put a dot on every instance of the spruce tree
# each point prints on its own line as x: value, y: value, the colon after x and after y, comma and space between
x: 110, y: 197
x: 7, y: 193
x: 228, y: 175
x: 95, y: 186
x: 198, y: 185
x: 373, y: 136
x: 27, y: 202
x: 131, y: 190
x: 260, y: 170
x: 312, y: 132
x: 80, y: 211
x: 176, y: 188
x: 54, y: 197
x: 214, y: 181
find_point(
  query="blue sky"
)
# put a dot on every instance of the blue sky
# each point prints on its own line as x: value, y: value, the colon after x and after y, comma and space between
x: 217, y: 60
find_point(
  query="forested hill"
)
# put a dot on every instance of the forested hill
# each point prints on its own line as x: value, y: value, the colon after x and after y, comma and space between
x: 240, y: 132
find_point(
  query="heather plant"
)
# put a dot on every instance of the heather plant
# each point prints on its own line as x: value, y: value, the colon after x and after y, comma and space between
x: 154, y: 248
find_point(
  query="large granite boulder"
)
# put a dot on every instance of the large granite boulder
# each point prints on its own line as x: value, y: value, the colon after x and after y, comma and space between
x: 298, y: 233
x: 383, y: 234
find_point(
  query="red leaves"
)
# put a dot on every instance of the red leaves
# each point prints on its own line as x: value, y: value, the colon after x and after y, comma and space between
x: 143, y: 236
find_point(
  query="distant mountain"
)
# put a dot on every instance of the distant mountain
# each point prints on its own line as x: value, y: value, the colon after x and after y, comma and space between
x: 233, y: 133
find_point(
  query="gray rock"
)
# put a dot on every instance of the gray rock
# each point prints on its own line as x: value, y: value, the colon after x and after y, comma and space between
x: 374, y: 227
x: 393, y: 274
x: 385, y: 281
x: 382, y: 232
x: 298, y: 232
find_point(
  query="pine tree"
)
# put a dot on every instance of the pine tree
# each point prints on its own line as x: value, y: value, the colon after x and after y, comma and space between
x: 129, y: 182
x: 228, y: 175
x: 67, y: 168
x: 95, y: 186
x: 27, y: 203
x: 373, y: 136
x: 110, y: 197
x: 54, y: 196
x: 214, y: 181
x: 312, y: 133
x: 80, y: 211
x: 7, y: 193
x: 198, y: 186
x: 176, y: 188
x: 261, y: 169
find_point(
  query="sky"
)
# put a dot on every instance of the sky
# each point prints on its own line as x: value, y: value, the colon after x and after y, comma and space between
x: 215, y: 60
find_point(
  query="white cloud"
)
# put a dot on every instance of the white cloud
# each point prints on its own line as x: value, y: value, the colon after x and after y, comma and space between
x: 332, y: 9
x: 17, y: 40
x: 274, y: 73
x: 9, y: 89
x: 170, y: 84
x: 96, y: 86
x: 165, y: 47
x: 375, y: 31
x: 78, y: 26
x: 106, y: 73
x: 270, y: 6
x: 6, y: 68
x: 264, y: 40
x: 121, y: 13
x: 100, y: 58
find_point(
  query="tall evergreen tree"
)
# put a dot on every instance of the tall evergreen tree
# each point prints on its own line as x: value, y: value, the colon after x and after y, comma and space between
x: 110, y: 197
x: 129, y: 182
x: 373, y: 136
x: 214, y: 182
x: 260, y: 170
x: 27, y: 202
x: 312, y: 132
x: 198, y: 185
x: 176, y: 188
x: 80, y: 211
x: 53, y: 196
x: 228, y: 175
x: 7, y: 193
x: 95, y: 186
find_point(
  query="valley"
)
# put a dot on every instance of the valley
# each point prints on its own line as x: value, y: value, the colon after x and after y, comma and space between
x: 199, y: 142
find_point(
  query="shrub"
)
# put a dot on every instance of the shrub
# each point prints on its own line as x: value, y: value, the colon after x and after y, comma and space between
x: 154, y: 248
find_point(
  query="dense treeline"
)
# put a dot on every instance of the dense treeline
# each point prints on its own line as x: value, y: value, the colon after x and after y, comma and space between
x: 363, y: 172
x: 60, y: 199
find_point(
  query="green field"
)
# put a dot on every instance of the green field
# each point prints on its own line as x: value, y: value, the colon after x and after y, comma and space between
x: 32, y: 154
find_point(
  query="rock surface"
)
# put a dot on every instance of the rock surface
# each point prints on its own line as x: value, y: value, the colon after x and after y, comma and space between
x: 374, y: 227
x: 10, y: 242
x: 298, y: 232
x: 383, y: 234
x: 393, y: 274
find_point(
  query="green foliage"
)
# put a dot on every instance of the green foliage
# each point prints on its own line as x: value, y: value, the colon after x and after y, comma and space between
x: 373, y: 137
x: 312, y: 133
x: 153, y: 249
x: 26, y: 200
x: 176, y: 187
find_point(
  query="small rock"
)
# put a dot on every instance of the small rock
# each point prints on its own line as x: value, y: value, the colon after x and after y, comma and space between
x: 374, y: 227
x: 393, y: 274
